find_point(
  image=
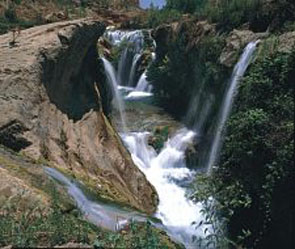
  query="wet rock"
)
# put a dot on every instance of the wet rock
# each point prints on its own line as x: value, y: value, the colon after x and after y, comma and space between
x: 191, y: 154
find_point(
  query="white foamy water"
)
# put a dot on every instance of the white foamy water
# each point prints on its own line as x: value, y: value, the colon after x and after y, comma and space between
x: 166, y: 171
x: 143, y: 84
x: 135, y: 95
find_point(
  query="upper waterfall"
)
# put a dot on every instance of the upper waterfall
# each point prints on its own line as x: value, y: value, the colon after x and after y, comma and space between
x: 133, y: 45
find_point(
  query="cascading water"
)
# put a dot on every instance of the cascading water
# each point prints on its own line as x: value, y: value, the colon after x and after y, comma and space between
x: 142, y: 83
x: 129, y: 60
x: 167, y: 172
x: 136, y: 38
x: 225, y: 109
x: 135, y: 60
x: 111, y: 76
x: 142, y: 89
x: 133, y: 47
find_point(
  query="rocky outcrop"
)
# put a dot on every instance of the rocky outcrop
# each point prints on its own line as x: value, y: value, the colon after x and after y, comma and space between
x: 287, y: 42
x: 238, y: 39
x: 235, y: 42
x: 51, y: 108
x: 191, y: 31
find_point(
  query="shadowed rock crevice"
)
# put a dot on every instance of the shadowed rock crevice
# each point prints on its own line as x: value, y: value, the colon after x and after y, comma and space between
x: 10, y: 136
x: 69, y: 78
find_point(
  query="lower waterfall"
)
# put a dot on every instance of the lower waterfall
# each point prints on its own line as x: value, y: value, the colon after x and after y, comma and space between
x: 167, y: 171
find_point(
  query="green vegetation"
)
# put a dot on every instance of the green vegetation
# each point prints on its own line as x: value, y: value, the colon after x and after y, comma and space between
x: 228, y: 14
x: 157, y: 17
x: 33, y: 13
x: 42, y: 227
x: 252, y: 185
x: 186, y: 6
x: 182, y: 67
x: 139, y: 236
x: 159, y: 137
x: 10, y: 21
x: 54, y: 226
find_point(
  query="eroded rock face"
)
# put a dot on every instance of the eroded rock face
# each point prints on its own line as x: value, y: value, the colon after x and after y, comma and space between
x: 51, y: 108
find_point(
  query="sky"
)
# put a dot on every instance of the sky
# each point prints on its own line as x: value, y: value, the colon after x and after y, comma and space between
x: 146, y: 3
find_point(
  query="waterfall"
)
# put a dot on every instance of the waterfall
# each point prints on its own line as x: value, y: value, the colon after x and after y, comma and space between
x: 143, y: 89
x: 135, y: 37
x: 122, y: 67
x: 134, y: 42
x: 225, y: 109
x: 199, y: 109
x: 111, y: 76
x: 167, y: 172
x: 133, y: 69
x: 142, y: 84
x: 128, y: 62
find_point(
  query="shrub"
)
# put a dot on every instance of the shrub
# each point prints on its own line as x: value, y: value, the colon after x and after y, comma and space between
x: 256, y: 164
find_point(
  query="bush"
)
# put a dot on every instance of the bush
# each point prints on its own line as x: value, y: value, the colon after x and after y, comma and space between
x: 252, y: 186
x: 186, y: 6
x: 179, y: 70
x: 52, y: 226
x: 157, y: 17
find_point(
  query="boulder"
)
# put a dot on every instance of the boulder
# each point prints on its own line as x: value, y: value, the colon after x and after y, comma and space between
x: 50, y: 108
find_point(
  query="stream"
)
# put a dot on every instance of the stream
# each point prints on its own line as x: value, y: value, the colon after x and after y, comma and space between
x: 135, y: 116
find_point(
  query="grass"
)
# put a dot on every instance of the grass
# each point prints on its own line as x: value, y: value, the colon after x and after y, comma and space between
x: 37, y: 226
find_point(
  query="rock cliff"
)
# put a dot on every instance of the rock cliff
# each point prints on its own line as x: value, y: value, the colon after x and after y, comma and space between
x: 51, y: 109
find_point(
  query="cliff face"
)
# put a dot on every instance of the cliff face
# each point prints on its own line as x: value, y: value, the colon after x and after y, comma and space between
x: 51, y: 108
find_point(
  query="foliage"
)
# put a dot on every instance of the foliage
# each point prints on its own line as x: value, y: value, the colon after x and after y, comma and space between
x: 138, y: 236
x: 186, y: 6
x: 233, y: 13
x: 256, y: 164
x: 181, y: 68
x: 229, y: 14
x: 10, y: 20
x: 159, y: 137
x: 157, y: 17
x: 52, y: 226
